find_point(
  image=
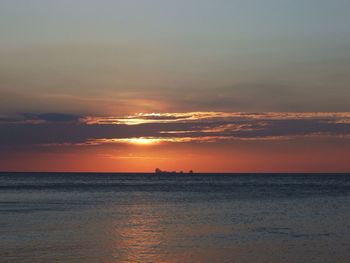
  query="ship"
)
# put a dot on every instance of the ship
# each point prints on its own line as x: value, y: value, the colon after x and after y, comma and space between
x: 158, y: 171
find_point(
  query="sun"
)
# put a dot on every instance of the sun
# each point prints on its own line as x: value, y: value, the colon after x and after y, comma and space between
x: 142, y: 141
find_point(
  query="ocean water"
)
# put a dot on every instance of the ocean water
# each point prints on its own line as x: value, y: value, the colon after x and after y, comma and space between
x: 64, y: 217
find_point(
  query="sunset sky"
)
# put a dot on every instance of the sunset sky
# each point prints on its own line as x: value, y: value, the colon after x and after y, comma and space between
x: 212, y: 86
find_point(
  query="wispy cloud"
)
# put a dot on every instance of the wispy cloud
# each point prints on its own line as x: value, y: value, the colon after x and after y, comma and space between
x: 159, y: 128
x: 141, y: 118
x: 38, y: 118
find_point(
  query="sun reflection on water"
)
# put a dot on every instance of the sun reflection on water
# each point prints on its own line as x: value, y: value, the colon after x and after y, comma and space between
x: 138, y: 238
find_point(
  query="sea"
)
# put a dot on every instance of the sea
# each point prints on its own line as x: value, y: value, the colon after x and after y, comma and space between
x: 134, y: 217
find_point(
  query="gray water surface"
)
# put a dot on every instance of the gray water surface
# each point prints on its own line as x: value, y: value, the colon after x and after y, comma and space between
x: 51, y: 217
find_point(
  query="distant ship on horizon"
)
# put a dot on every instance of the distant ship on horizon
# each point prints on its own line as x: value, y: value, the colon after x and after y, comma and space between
x: 159, y: 171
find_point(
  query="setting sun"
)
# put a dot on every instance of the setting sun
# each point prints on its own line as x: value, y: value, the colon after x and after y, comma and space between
x: 142, y: 141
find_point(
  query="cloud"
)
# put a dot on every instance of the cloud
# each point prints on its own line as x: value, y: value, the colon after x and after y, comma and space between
x: 51, y: 117
x: 55, y: 129
x: 36, y: 118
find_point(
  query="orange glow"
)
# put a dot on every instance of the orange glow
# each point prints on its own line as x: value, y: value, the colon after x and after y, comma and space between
x: 156, y: 140
x: 136, y: 141
x: 141, y: 141
x: 218, y: 142
x: 240, y: 156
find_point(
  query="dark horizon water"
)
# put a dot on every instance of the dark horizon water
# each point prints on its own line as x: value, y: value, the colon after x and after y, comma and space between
x: 131, y: 217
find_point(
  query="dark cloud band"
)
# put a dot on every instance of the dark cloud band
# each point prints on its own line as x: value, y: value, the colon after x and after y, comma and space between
x: 64, y: 129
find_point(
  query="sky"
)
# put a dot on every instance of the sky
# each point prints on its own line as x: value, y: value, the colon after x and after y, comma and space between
x: 212, y: 86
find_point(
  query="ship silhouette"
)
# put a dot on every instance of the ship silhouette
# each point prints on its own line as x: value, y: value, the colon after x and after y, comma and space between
x: 160, y: 172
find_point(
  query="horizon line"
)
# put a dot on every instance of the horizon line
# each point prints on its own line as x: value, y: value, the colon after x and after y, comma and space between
x: 177, y: 173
